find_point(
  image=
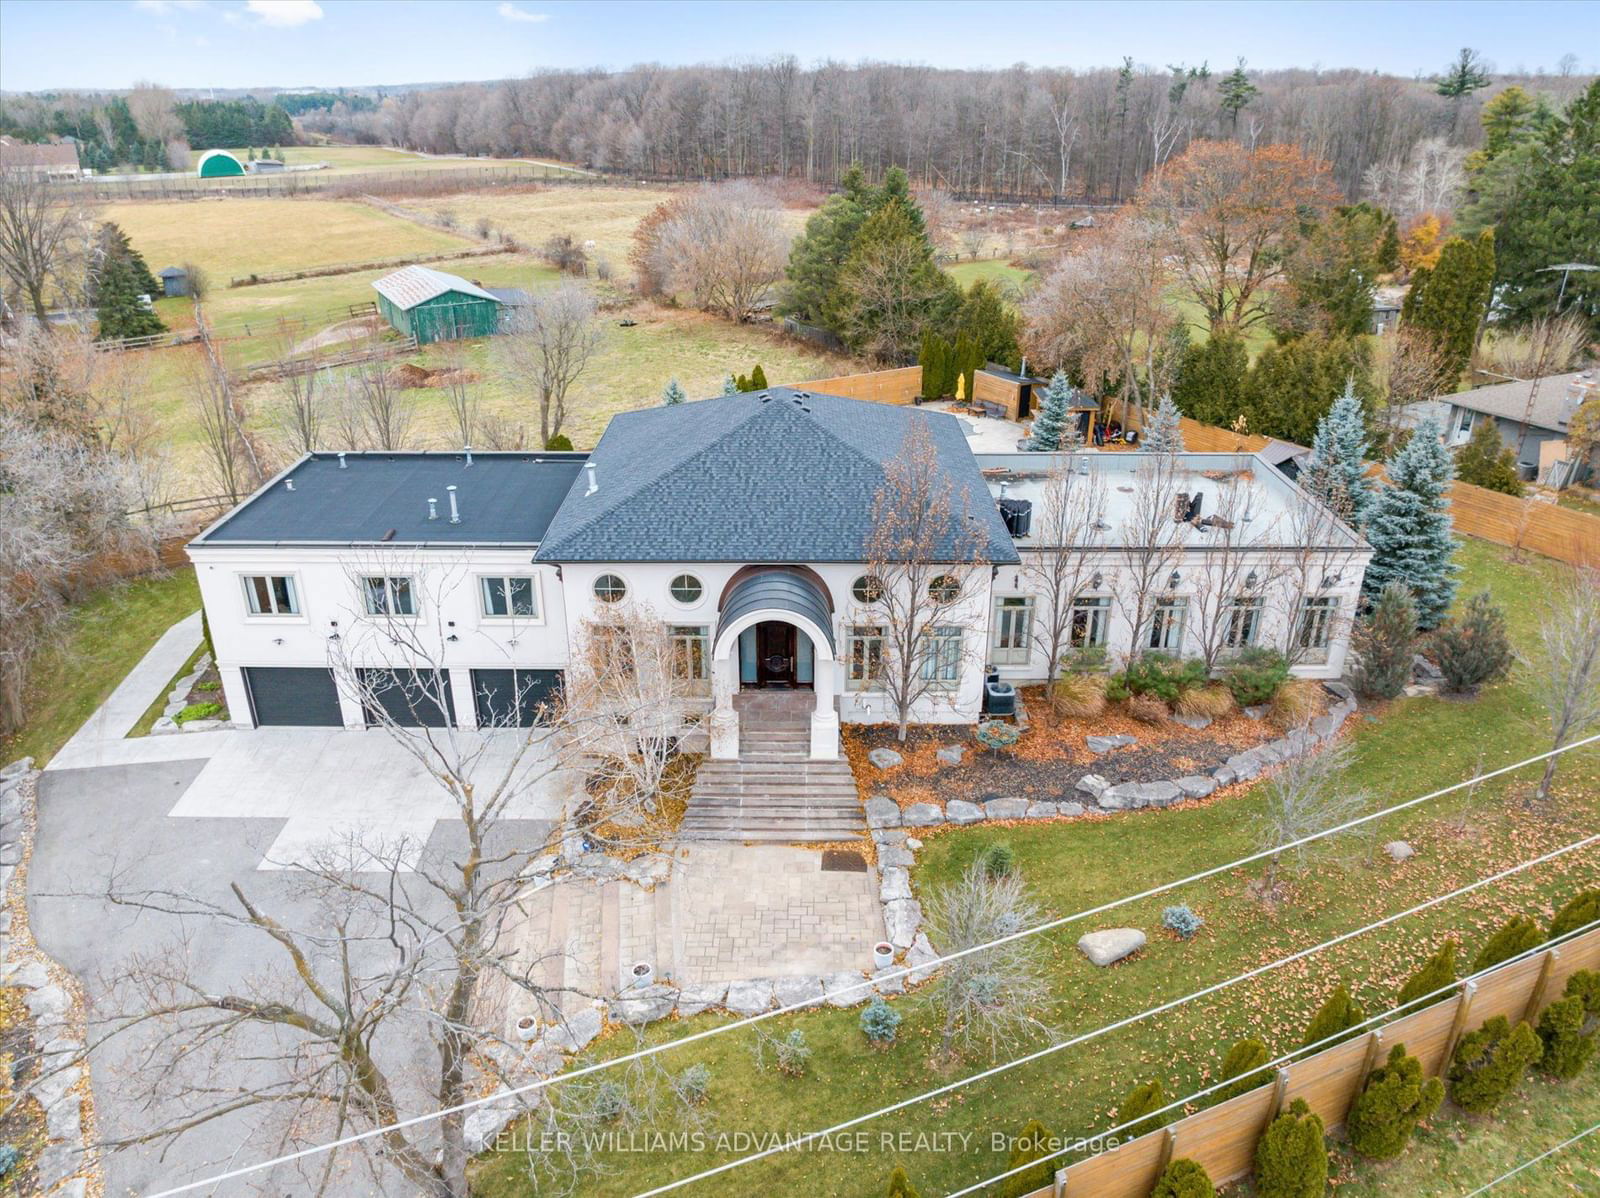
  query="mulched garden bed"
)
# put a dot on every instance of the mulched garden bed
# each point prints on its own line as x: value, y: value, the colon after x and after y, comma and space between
x: 1050, y: 758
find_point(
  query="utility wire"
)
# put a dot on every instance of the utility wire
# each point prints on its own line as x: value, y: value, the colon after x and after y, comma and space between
x: 1528, y: 1164
x: 866, y: 984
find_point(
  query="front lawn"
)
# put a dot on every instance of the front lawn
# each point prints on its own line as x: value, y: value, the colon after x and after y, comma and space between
x: 1412, y: 747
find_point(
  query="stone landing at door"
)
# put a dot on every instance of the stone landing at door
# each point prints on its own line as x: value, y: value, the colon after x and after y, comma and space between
x: 775, y: 792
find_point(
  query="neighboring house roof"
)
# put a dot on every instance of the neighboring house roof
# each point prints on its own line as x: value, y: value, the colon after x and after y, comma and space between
x: 413, y: 285
x: 503, y: 498
x: 511, y: 297
x: 779, y: 476
x: 46, y: 154
x: 1558, y: 397
x: 171, y: 272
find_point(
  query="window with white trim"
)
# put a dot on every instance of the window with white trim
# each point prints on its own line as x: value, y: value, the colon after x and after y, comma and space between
x: 945, y: 588
x: 863, y: 657
x: 867, y: 589
x: 1465, y: 425
x: 1243, y: 618
x: 389, y: 595
x: 1315, y: 631
x: 270, y: 595
x: 1091, y: 617
x: 941, y: 656
x: 691, y: 651
x: 510, y: 595
x: 609, y: 588
x: 686, y: 588
x: 1013, y: 628
x: 1167, y: 623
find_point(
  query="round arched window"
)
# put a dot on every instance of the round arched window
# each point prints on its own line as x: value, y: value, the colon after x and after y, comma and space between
x: 609, y: 588
x: 686, y: 588
x: 867, y: 589
x: 944, y: 588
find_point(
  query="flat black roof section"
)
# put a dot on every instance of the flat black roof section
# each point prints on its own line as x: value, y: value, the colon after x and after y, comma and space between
x: 502, y: 498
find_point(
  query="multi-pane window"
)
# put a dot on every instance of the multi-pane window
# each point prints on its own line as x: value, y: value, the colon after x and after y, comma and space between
x: 1090, y: 616
x: 270, y: 595
x: 510, y: 596
x: 1167, y: 624
x: 1243, y: 622
x: 691, y: 651
x: 944, y: 588
x: 863, y: 657
x: 686, y: 588
x: 1013, y: 626
x: 389, y: 595
x: 941, y: 655
x: 867, y: 589
x: 1316, y: 627
x: 609, y: 588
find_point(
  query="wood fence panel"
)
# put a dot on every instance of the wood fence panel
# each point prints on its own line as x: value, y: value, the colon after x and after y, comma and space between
x: 898, y: 386
x: 1506, y: 991
x: 1222, y: 1139
x: 1581, y: 953
x: 1330, y: 1080
x: 1543, y: 528
x: 1127, y: 1171
x: 1424, y: 1033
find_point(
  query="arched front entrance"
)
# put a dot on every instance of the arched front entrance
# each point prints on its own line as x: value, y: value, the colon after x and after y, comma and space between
x: 775, y: 631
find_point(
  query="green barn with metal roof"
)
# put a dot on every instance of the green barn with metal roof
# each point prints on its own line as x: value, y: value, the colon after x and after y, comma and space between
x: 433, y: 306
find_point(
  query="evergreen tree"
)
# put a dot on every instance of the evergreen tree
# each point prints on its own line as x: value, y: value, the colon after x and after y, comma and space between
x: 758, y: 379
x: 1291, y: 1156
x: 1337, y: 474
x: 1409, y: 527
x: 1515, y: 937
x: 673, y: 394
x: 742, y: 384
x: 1472, y: 647
x: 1384, y: 643
x: 1293, y: 386
x: 118, y: 309
x: 112, y: 242
x: 966, y: 360
x: 1393, y: 1101
x: 1437, y: 972
x: 1051, y: 421
x: 1581, y: 910
x: 1164, y: 433
x: 1462, y: 77
x: 730, y: 385
x: 1236, y: 91
x: 890, y: 288
x: 819, y: 253
x: 1141, y: 1101
x: 1569, y: 1028
x: 1487, y: 461
x: 1339, y: 1013
x: 991, y: 323
x: 1490, y: 1063
x: 1451, y: 300
x: 1211, y: 380
x: 1033, y: 1143
x: 1244, y: 1061
x: 1184, y: 1178
x: 938, y: 371
x: 900, y: 1185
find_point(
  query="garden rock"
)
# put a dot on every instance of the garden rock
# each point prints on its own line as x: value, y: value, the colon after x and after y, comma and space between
x: 846, y: 989
x: 1324, y: 726
x: 16, y: 769
x: 1093, y: 785
x: 53, y: 1086
x: 576, y: 1032
x: 901, y: 919
x: 1140, y: 794
x: 951, y: 754
x: 896, y: 885
x: 1112, y: 945
x: 57, y: 1163
x: 922, y: 815
x: 1070, y: 809
x: 1197, y: 722
x: 1399, y: 850
x: 1245, y: 766
x: 790, y: 992
x: 889, y: 836
x: 10, y: 854
x: 918, y: 957
x: 889, y: 981
x: 895, y: 857
x: 1009, y: 808
x: 48, y: 1004
x: 959, y: 811
x: 64, y: 1120
x: 692, y: 1000
x: 1424, y: 672
x: 749, y: 998
x: 30, y: 976
x: 885, y: 759
x: 1258, y: 711
x: 913, y: 843
x: 1104, y: 744
x: 1196, y: 786
x: 481, y: 1126
x: 164, y: 724
x: 882, y: 813
x: 1042, y: 810
x: 645, y: 1005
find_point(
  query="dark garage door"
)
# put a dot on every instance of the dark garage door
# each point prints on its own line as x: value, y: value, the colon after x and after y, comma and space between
x: 410, y: 697
x: 294, y: 697
x: 496, y: 692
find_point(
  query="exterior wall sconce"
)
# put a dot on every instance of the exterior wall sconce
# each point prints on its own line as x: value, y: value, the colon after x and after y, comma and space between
x: 1174, y: 580
x: 1097, y: 580
x: 277, y: 640
x: 1252, y: 579
x: 1330, y: 580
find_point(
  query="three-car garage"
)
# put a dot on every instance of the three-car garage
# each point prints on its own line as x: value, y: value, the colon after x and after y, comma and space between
x: 308, y: 697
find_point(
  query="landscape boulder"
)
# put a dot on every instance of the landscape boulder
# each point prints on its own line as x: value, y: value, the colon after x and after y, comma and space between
x: 1196, y: 786
x: 922, y: 815
x: 895, y: 884
x: 791, y: 992
x: 644, y: 1005
x: 1093, y: 785
x: 885, y: 759
x: 959, y: 811
x: 1399, y: 850
x: 1197, y: 722
x: 882, y: 812
x: 901, y: 920
x: 1008, y: 808
x: 576, y: 1032
x: 750, y: 997
x: 692, y: 1000
x: 951, y: 754
x: 1110, y: 946
x: 846, y: 989
x: 1104, y: 744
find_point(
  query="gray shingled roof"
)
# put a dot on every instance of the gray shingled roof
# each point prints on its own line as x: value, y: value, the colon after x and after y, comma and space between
x: 1552, y: 406
x: 787, y: 479
x: 503, y: 498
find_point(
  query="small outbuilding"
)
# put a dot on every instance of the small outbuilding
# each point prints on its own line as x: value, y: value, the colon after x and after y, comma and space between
x: 218, y: 164
x: 174, y: 281
x: 268, y: 166
x: 431, y: 305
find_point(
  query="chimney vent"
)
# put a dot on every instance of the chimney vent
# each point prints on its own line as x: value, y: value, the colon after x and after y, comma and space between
x: 433, y: 508
x: 469, y: 455
x: 288, y: 484
x: 455, y: 512
x: 593, y: 485
x: 341, y: 459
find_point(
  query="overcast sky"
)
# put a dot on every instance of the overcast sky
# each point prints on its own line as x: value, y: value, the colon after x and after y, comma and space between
x: 297, y: 43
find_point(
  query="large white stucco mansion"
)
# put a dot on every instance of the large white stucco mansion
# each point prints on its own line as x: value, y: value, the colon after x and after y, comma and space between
x: 740, y: 522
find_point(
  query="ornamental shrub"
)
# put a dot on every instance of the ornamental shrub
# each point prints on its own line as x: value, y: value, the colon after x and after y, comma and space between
x: 900, y: 1185
x: 1473, y: 647
x: 1033, y: 1143
x: 198, y: 711
x: 794, y: 1054
x: 1141, y: 1100
x: 1339, y: 1013
x: 1569, y: 1028
x: 1255, y: 675
x: 1159, y: 675
x: 1079, y: 696
x: 610, y: 1101
x: 560, y: 443
x: 1490, y: 1063
x: 1383, y: 644
x: 1148, y: 709
x: 1184, y: 1179
x: 1181, y: 920
x: 1291, y: 1157
x: 1212, y: 702
x: 1517, y: 936
x: 880, y: 1022
x: 1244, y: 1061
x: 1295, y: 705
x: 999, y: 858
x: 1394, y: 1100
x: 1581, y: 910
x: 693, y: 1083
x: 1437, y: 972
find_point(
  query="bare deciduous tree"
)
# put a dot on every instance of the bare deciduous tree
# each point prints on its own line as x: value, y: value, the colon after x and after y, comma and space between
x: 725, y: 245
x: 1069, y: 531
x: 920, y: 555
x: 375, y: 411
x: 547, y: 346
x: 302, y: 415
x: 1151, y: 538
x: 1315, y: 552
x: 1307, y: 795
x: 1564, y: 663
x: 462, y: 393
x: 44, y: 234
x: 234, y: 459
x: 1231, y: 582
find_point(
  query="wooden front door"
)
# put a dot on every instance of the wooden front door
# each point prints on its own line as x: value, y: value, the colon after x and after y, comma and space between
x: 775, y: 654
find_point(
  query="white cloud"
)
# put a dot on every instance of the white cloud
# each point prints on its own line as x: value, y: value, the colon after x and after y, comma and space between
x: 512, y: 13
x: 166, y: 8
x: 284, y: 14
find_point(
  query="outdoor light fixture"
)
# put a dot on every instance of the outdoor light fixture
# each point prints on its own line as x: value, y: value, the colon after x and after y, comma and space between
x: 1330, y: 580
x: 1251, y: 579
x: 277, y: 640
x: 1172, y: 582
x: 1097, y: 580
x: 452, y: 637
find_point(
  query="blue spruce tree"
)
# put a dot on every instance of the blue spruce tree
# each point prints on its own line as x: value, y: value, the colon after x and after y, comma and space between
x: 1337, y: 474
x: 1409, y: 527
x: 673, y: 394
x: 729, y: 386
x: 1164, y: 432
x: 1050, y: 425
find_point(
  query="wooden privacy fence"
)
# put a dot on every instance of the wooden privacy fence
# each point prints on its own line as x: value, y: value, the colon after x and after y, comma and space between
x: 1556, y: 532
x: 899, y: 386
x: 1222, y: 1139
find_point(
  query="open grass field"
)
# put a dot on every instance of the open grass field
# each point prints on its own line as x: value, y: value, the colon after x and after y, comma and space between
x: 343, y: 160
x: 995, y: 270
x: 1412, y: 747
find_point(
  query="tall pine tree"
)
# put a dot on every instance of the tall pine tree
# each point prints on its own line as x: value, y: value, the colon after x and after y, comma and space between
x: 1451, y: 300
x: 1210, y: 386
x: 1050, y: 424
x: 1337, y: 474
x: 1409, y: 527
x: 1164, y: 433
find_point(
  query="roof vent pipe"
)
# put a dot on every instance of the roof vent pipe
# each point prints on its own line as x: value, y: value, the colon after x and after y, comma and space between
x: 341, y: 459
x: 433, y: 508
x: 455, y: 512
x: 469, y: 455
x: 288, y: 484
x: 593, y: 486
